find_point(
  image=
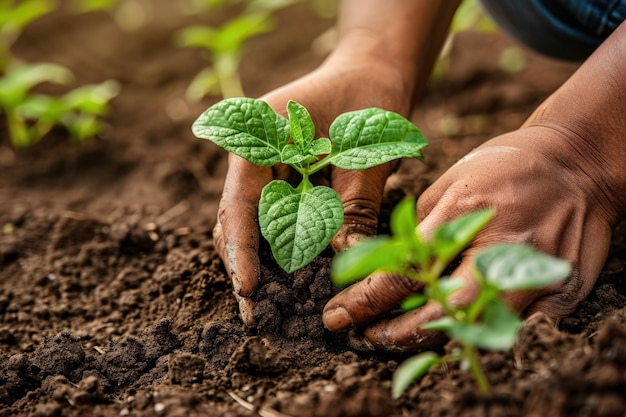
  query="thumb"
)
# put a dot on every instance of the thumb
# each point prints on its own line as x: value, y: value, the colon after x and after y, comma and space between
x: 361, y: 193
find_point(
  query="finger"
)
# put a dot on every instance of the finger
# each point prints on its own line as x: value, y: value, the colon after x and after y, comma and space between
x: 237, y: 230
x: 367, y: 300
x: 246, y: 306
x: 361, y: 193
x: 405, y: 334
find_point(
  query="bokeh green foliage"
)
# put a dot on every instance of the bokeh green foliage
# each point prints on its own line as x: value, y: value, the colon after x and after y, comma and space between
x: 29, y: 115
x: 225, y: 44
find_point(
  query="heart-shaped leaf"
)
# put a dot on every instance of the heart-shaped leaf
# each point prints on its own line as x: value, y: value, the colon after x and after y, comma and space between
x: 298, y: 224
x: 246, y: 127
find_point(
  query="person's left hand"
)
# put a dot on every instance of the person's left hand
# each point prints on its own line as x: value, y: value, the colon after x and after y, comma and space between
x: 544, y: 194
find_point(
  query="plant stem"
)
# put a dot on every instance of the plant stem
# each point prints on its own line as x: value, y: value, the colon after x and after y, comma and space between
x: 470, y: 353
x: 305, y: 185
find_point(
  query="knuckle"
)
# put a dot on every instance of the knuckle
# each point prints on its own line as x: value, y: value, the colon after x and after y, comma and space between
x: 564, y: 300
x: 361, y: 212
x: 387, y: 291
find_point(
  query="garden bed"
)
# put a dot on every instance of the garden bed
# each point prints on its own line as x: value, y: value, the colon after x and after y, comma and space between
x: 114, y: 302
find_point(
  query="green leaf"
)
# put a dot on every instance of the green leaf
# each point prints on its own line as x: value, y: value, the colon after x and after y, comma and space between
x: 15, y: 18
x: 444, y: 324
x: 520, y: 267
x: 448, y: 285
x: 84, y: 6
x: 497, y: 330
x: 94, y: 98
x: 291, y: 155
x: 298, y: 225
x: 196, y: 36
x: 302, y: 129
x: 236, y: 31
x: 403, y: 220
x: 450, y: 238
x: 18, y: 80
x: 370, y: 137
x: 403, y: 224
x: 40, y: 107
x: 203, y: 84
x: 413, y: 301
x: 321, y: 146
x: 412, y: 369
x: 246, y: 127
x: 362, y: 259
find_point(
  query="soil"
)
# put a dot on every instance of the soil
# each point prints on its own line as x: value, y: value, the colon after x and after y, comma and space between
x: 113, y: 301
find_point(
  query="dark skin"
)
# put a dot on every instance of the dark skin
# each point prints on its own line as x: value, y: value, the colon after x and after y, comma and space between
x: 558, y: 183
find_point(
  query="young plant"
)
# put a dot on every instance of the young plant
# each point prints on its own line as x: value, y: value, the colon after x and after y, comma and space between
x: 14, y: 17
x: 31, y: 116
x: 486, y: 323
x: 225, y: 44
x: 299, y: 222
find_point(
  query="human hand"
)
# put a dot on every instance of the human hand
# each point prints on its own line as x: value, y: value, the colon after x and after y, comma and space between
x: 338, y: 86
x: 545, y: 194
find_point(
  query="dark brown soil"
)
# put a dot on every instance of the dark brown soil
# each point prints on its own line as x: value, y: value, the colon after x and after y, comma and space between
x: 113, y: 301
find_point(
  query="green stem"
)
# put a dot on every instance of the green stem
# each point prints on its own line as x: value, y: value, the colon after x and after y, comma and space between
x: 17, y: 130
x: 305, y: 185
x: 319, y: 165
x: 226, y: 69
x: 470, y: 353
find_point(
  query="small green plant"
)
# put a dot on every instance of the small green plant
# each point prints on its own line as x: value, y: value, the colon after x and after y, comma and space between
x: 299, y: 222
x: 226, y: 44
x: 486, y: 323
x: 31, y: 116
x: 14, y: 17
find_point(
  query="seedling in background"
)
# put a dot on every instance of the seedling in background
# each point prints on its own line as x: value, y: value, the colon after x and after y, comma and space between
x: 225, y: 44
x: 486, y: 323
x: 31, y: 116
x: 299, y: 222
x: 14, y: 17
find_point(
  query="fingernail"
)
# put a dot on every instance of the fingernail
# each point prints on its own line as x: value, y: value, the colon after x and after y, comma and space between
x: 337, y: 319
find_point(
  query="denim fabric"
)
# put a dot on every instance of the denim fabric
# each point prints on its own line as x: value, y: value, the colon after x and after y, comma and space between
x: 565, y: 29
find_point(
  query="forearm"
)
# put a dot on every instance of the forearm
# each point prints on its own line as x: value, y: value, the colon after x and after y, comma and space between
x: 407, y: 34
x: 590, y: 108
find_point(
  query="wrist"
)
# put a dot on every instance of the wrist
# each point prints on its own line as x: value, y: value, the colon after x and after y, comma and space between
x: 366, y: 51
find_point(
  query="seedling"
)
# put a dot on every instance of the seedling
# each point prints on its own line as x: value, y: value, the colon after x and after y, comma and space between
x: 299, y: 222
x: 486, y: 323
x: 225, y: 44
x: 14, y: 17
x: 31, y: 116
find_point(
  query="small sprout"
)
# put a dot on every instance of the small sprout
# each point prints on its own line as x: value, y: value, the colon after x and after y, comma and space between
x: 31, y: 116
x: 300, y: 222
x: 486, y: 323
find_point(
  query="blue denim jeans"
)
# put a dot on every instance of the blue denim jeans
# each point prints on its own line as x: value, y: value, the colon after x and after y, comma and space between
x: 565, y: 29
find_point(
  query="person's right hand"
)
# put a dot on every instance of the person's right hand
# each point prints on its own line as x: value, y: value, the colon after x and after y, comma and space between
x: 338, y: 86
